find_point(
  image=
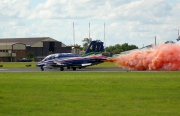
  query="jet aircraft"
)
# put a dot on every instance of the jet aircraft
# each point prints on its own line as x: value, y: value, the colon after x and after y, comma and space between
x: 92, y: 56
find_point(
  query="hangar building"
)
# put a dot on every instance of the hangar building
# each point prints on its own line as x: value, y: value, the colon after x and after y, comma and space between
x: 13, y: 49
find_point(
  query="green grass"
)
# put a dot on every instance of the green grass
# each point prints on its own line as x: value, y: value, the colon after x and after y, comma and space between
x: 18, y: 64
x: 88, y: 93
x: 104, y: 65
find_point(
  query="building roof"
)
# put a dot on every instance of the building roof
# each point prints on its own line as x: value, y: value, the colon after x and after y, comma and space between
x: 10, y: 43
x: 27, y: 41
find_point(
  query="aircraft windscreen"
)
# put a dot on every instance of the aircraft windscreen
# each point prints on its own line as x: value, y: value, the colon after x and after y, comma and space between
x: 50, y: 57
x: 63, y: 55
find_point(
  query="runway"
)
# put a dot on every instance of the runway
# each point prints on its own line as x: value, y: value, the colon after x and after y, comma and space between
x: 118, y: 69
x: 65, y: 70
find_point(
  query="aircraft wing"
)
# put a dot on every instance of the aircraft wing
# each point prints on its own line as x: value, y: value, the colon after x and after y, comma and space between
x: 73, y: 62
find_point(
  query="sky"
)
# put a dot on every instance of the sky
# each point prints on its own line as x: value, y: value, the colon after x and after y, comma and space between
x: 135, y: 22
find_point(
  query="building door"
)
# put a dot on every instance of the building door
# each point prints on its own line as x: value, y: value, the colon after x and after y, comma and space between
x: 51, y: 46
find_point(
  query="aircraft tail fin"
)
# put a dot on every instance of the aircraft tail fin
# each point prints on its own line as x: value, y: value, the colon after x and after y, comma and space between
x: 95, y: 47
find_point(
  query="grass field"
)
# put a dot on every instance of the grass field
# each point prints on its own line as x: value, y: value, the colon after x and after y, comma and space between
x: 90, y: 93
x: 18, y: 64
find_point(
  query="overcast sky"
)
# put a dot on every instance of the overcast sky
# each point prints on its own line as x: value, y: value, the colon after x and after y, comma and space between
x: 126, y: 21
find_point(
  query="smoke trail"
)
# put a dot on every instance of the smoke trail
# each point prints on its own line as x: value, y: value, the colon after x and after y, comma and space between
x: 163, y: 57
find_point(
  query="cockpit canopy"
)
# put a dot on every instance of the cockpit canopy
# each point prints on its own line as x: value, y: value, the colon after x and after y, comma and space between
x: 60, y: 55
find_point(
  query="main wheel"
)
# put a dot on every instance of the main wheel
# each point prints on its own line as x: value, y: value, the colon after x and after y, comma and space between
x: 68, y: 67
x: 61, y: 68
x: 74, y: 68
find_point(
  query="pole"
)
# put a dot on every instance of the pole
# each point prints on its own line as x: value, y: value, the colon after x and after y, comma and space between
x: 104, y: 38
x: 73, y: 34
x: 155, y: 40
x: 178, y: 38
x: 11, y: 54
x: 178, y: 30
x: 89, y: 30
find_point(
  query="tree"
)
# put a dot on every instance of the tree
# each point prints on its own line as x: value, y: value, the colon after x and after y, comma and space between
x: 30, y: 55
x: 86, y: 42
x: 117, y: 49
x: 77, y: 46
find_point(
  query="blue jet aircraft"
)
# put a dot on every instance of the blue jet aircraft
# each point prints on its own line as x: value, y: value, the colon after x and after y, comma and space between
x: 92, y: 56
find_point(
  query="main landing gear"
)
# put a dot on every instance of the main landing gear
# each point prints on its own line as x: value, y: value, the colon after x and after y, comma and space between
x: 68, y: 67
x: 62, y: 68
x: 42, y: 69
x: 74, y: 68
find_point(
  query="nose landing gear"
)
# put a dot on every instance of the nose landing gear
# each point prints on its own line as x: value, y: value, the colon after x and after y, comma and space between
x: 42, y: 69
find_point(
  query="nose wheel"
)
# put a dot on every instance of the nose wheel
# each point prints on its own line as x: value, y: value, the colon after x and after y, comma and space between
x: 42, y: 69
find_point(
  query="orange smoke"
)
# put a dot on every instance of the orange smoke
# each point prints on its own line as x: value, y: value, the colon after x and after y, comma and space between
x: 163, y: 57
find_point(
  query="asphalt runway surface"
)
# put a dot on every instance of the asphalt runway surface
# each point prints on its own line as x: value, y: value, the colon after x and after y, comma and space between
x: 65, y: 70
x: 118, y: 69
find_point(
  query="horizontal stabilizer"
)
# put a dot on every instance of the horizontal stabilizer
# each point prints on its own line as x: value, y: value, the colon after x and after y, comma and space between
x: 87, y: 64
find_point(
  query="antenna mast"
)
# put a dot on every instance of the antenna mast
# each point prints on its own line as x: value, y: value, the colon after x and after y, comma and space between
x: 73, y: 34
x: 178, y: 33
x: 178, y: 30
x: 89, y: 30
x: 155, y: 40
x: 104, y: 39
